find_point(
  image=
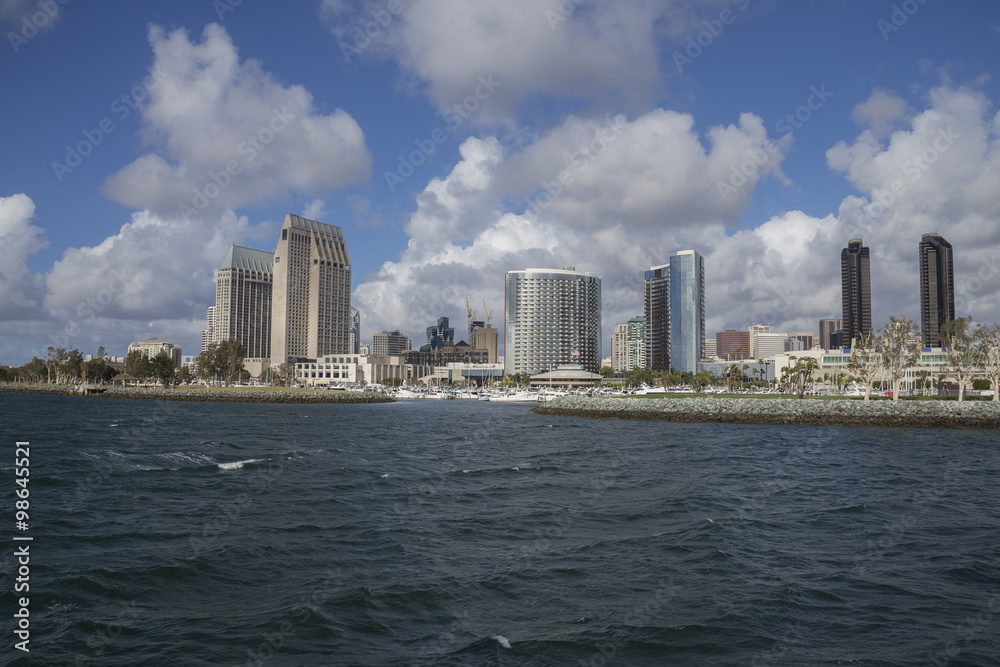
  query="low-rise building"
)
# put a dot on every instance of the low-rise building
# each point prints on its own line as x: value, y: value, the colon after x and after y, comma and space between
x: 153, y: 346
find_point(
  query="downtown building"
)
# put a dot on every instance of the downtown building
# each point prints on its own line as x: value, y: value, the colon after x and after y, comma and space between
x: 311, y: 299
x: 242, y: 310
x: 552, y: 317
x: 390, y: 344
x: 856, y: 292
x: 674, y: 306
x: 628, y: 345
x: 937, y: 287
x: 830, y: 333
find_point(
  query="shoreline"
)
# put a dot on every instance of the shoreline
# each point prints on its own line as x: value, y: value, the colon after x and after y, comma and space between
x: 248, y: 395
x: 922, y: 414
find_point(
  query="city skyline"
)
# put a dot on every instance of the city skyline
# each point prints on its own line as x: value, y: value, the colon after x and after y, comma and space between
x: 448, y: 158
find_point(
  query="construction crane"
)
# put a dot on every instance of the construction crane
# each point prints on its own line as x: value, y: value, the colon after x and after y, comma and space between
x: 472, y: 313
x: 489, y: 313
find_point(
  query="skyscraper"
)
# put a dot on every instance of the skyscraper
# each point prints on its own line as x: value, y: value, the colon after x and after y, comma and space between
x: 687, y: 310
x: 389, y: 343
x: 439, y: 336
x: 937, y: 287
x: 826, y: 330
x: 657, y: 314
x: 551, y: 317
x: 311, y: 300
x: 243, y: 292
x: 856, y: 290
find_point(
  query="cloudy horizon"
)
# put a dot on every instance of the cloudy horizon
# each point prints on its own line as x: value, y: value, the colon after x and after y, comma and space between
x: 455, y: 142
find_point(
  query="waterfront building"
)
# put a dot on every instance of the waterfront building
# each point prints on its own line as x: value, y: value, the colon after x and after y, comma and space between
x: 635, y: 342
x: 242, y: 309
x: 937, y: 287
x: 687, y: 310
x: 487, y: 338
x: 711, y: 348
x: 856, y: 290
x: 354, y: 332
x: 360, y: 369
x: 439, y: 336
x: 619, y: 349
x: 732, y: 345
x: 311, y: 297
x: 768, y: 344
x: 657, y: 318
x: 753, y: 330
x: 551, y: 317
x: 153, y: 346
x: 807, y: 338
x: 208, y: 333
x: 389, y: 343
x: 827, y: 328
x: 462, y: 353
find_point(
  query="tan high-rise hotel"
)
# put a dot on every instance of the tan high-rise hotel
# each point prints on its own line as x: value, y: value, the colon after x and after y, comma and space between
x: 311, y: 298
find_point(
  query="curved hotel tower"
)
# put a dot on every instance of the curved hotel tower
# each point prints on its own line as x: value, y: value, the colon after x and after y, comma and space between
x: 551, y: 317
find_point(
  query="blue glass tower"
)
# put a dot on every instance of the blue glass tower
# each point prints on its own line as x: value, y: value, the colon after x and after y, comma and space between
x: 687, y: 310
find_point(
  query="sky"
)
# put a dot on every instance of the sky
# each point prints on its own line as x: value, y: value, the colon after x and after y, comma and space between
x: 455, y: 141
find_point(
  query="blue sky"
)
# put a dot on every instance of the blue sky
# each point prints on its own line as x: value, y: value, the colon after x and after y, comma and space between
x: 101, y: 253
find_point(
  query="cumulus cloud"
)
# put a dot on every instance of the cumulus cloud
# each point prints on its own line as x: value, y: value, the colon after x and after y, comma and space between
x: 606, y: 53
x: 20, y: 288
x: 652, y: 191
x: 225, y: 134
x: 609, y: 196
x: 881, y: 112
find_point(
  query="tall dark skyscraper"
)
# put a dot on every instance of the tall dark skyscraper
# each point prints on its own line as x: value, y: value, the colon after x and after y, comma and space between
x: 657, y: 314
x: 856, y: 290
x: 937, y: 287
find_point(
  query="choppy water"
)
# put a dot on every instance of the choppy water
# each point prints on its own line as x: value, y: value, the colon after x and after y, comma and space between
x: 468, y: 533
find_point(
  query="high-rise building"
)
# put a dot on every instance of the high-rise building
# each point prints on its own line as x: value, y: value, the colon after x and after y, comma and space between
x: 657, y: 314
x: 768, y: 344
x: 439, y: 336
x: 711, y: 348
x: 856, y: 290
x: 937, y: 287
x: 354, y: 333
x: 635, y: 342
x: 208, y: 332
x: 311, y: 298
x: 753, y: 330
x: 732, y: 345
x: 687, y: 310
x: 488, y: 338
x: 551, y: 317
x: 619, y: 348
x: 826, y: 330
x: 389, y: 344
x: 243, y: 288
x: 807, y: 338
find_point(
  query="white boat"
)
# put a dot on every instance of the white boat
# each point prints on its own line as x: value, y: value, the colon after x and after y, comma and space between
x: 516, y: 397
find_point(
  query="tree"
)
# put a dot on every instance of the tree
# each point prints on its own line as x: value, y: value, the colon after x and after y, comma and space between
x: 205, y: 364
x: 865, y: 360
x: 702, y: 379
x: 54, y: 359
x: 138, y: 365
x: 162, y: 367
x: 960, y: 351
x: 606, y: 371
x: 72, y: 365
x: 988, y: 344
x: 184, y: 375
x: 229, y: 359
x: 285, y: 373
x: 391, y: 382
x: 899, y: 351
x: 801, y: 373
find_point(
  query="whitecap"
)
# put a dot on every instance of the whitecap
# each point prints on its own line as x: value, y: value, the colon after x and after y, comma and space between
x: 236, y: 465
x: 385, y: 475
x: 502, y: 640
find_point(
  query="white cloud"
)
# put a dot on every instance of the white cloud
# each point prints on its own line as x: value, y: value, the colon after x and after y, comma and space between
x: 225, y: 134
x: 651, y: 192
x: 624, y: 196
x: 315, y: 210
x: 606, y: 53
x: 20, y: 288
x: 881, y: 112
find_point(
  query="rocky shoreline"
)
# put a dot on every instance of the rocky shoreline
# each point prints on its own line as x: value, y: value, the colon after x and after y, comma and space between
x: 200, y: 395
x: 935, y: 414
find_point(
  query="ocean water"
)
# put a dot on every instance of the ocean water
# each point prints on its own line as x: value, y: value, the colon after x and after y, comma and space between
x: 470, y: 533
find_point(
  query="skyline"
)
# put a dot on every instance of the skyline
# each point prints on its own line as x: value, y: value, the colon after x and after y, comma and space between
x: 611, y: 137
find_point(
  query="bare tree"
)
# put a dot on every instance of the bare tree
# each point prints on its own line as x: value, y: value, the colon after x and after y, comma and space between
x: 865, y: 361
x: 960, y: 351
x: 898, y: 350
x: 988, y: 343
